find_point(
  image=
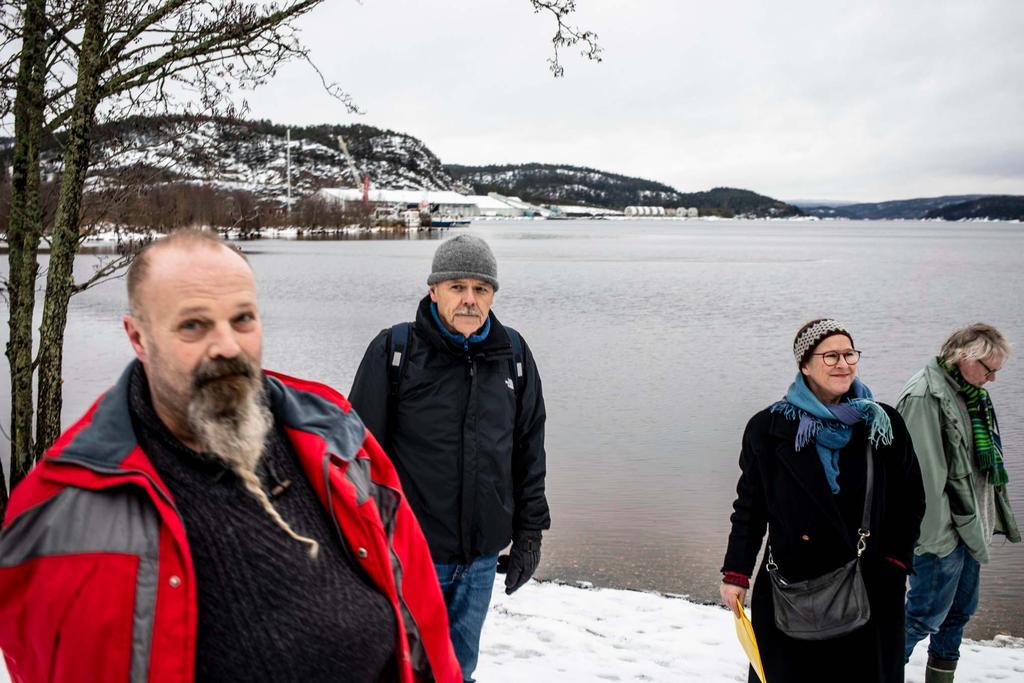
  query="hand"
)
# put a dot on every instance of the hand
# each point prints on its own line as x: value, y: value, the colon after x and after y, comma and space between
x: 733, y: 596
x: 519, y: 565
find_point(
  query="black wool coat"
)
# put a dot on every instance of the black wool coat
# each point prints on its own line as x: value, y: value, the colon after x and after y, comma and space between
x: 468, y: 447
x: 813, y: 531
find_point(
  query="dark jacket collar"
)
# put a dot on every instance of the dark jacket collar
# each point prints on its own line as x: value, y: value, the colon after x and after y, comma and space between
x: 105, y: 436
x: 496, y: 344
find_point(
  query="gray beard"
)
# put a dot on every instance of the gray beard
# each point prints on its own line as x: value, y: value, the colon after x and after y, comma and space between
x: 232, y: 424
x: 230, y: 419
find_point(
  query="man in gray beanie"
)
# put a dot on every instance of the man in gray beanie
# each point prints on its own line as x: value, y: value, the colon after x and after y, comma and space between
x: 455, y: 398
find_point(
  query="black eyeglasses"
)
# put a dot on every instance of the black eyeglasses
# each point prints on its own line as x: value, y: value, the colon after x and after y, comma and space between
x: 989, y: 372
x: 831, y: 358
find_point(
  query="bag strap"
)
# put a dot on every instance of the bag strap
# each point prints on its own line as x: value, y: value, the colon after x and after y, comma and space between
x: 869, y: 491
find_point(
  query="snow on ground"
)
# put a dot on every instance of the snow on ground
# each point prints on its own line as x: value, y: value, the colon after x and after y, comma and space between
x: 118, y: 235
x: 551, y: 632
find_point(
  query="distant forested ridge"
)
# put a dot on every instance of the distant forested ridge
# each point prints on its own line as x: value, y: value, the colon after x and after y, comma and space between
x: 999, y: 208
x: 908, y: 209
x: 576, y: 185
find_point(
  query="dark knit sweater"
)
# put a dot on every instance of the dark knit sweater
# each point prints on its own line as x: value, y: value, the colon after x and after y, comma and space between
x: 267, y: 611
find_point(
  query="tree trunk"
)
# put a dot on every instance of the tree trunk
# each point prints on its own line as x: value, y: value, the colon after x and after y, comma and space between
x: 60, y: 284
x: 26, y: 226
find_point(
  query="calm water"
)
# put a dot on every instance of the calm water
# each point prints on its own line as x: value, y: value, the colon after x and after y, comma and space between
x: 656, y: 342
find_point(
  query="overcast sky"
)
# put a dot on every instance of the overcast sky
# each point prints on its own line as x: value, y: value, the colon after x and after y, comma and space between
x: 868, y: 100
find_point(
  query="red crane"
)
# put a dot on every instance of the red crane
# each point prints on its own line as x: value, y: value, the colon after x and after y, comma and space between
x: 355, y: 173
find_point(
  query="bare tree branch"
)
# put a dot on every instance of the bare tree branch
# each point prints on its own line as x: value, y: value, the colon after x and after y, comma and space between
x: 205, y: 46
x: 105, y: 271
x: 566, y: 35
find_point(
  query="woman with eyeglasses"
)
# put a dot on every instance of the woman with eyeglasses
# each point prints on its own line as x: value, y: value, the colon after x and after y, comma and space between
x: 803, y: 480
x: 956, y: 436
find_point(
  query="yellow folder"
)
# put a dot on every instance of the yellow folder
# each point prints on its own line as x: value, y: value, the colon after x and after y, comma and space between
x: 745, y: 633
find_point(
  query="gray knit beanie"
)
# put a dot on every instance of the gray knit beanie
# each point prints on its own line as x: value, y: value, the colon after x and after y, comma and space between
x: 464, y: 256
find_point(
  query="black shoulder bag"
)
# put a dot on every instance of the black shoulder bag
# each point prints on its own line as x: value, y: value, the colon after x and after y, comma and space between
x: 830, y: 605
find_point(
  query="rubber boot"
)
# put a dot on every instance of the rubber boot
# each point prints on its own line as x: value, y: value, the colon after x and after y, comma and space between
x: 939, y: 670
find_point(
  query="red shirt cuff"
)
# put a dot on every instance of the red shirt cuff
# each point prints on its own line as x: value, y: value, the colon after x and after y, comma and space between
x: 896, y: 562
x: 736, y: 579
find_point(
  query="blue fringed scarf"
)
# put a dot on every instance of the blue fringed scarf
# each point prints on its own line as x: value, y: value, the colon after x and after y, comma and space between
x: 831, y: 426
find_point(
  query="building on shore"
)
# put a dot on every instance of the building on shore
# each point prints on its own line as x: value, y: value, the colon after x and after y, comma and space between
x: 526, y: 209
x: 398, y: 204
x: 494, y: 205
x: 681, y: 212
x: 646, y: 211
x: 434, y: 202
x: 574, y: 211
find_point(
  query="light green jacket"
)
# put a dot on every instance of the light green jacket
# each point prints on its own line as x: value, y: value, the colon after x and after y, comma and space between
x: 940, y: 427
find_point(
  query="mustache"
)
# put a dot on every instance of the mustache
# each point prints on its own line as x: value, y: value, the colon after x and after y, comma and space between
x: 467, y: 310
x: 221, y: 368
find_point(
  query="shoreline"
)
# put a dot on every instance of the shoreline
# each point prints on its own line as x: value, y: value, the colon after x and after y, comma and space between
x: 117, y: 236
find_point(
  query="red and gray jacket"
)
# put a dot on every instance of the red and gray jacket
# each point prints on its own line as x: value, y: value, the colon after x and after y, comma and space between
x: 96, y: 577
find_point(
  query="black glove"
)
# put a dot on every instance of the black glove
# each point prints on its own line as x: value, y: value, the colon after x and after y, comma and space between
x: 521, y: 562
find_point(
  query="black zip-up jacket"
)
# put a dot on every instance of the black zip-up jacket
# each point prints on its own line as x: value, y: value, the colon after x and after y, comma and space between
x: 469, y: 451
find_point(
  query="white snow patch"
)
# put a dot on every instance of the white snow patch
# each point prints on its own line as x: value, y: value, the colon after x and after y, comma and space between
x: 557, y: 632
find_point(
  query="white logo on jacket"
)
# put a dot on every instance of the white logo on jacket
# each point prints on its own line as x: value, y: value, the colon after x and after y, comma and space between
x: 509, y: 384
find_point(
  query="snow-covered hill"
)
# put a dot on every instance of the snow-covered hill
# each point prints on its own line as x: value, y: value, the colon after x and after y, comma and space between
x: 252, y: 155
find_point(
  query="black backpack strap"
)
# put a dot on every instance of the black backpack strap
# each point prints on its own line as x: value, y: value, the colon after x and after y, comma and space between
x: 398, y: 347
x: 398, y: 350
x: 517, y: 357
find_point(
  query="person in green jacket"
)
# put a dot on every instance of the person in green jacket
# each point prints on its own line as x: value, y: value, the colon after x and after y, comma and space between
x: 956, y: 438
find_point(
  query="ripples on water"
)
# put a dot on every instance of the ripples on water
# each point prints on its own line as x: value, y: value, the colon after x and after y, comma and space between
x: 656, y: 341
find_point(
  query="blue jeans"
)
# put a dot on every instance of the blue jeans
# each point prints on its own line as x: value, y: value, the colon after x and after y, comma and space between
x: 943, y: 596
x: 467, y: 594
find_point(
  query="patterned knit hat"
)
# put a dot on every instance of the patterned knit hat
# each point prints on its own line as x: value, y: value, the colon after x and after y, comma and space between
x: 464, y: 256
x: 811, y: 334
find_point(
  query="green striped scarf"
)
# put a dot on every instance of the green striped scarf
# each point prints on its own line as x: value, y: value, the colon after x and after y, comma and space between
x: 988, y: 447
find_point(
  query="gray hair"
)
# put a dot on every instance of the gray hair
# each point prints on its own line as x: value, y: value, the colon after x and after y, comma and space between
x: 977, y: 341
